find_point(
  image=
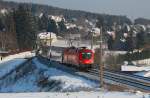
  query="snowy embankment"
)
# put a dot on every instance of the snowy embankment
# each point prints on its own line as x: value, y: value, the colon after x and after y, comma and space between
x: 75, y: 95
x: 68, y: 82
x: 12, y: 62
x: 19, y: 55
x: 143, y: 74
x: 10, y: 69
x: 10, y: 65
x: 54, y: 80
x: 26, y: 83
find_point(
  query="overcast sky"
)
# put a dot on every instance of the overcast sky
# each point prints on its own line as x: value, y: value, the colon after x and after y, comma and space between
x: 130, y: 8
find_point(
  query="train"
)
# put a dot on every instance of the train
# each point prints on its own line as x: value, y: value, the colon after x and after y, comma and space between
x: 78, y: 57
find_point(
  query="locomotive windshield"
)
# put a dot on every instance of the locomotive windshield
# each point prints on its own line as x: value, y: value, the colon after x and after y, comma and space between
x: 86, y: 55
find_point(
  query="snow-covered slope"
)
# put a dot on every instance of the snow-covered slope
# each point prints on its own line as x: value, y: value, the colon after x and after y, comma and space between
x: 55, y: 80
x: 19, y: 55
x: 144, y: 74
x: 11, y: 62
x: 75, y: 95
x: 26, y: 83
x: 6, y: 67
x: 68, y: 82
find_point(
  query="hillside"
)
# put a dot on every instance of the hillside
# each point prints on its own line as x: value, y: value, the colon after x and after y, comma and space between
x: 67, y: 13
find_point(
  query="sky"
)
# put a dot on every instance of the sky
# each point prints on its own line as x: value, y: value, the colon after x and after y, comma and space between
x: 131, y: 8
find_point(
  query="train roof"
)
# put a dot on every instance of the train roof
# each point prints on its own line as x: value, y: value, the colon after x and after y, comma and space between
x: 79, y: 48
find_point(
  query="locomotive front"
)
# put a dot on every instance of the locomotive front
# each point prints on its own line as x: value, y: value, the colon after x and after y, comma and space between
x: 80, y: 57
x: 86, y: 57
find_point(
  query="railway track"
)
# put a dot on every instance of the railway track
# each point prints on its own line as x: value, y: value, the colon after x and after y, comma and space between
x: 127, y: 80
x: 117, y: 78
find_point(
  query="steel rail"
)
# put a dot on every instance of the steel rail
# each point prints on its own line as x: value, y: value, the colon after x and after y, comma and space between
x: 140, y: 83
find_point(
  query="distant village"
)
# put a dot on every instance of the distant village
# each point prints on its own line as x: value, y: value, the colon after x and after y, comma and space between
x: 118, y: 32
x: 118, y: 37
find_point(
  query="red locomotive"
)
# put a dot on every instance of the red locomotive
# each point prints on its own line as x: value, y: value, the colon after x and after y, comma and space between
x: 80, y: 57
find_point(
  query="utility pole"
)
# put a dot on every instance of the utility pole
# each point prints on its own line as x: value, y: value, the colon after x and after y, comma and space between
x: 92, y: 39
x: 0, y: 40
x: 101, y: 61
x: 50, y: 38
x: 50, y: 45
x: 3, y: 39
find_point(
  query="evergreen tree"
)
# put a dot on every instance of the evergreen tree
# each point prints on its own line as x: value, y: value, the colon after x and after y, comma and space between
x: 140, y: 40
x: 11, y: 31
x: 110, y: 42
x: 25, y: 27
x: 52, y: 27
x: 43, y: 22
x: 100, y: 22
x: 62, y: 26
x: 1, y: 25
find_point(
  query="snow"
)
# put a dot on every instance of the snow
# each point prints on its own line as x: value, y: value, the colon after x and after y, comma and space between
x: 30, y: 81
x: 71, y: 86
x: 6, y: 67
x: 11, y: 62
x: 25, y: 84
x: 144, y: 74
x: 68, y: 81
x: 75, y: 95
x: 3, y: 11
x: 19, y: 55
x: 135, y: 68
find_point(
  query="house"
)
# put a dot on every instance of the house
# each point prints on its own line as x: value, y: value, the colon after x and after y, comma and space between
x: 46, y: 38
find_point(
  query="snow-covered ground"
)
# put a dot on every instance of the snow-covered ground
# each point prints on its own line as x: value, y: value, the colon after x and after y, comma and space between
x: 144, y: 74
x: 101, y: 94
x: 64, y: 81
x: 24, y: 84
x: 6, y: 67
x: 19, y: 55
x: 69, y: 85
x: 68, y: 82
x: 11, y: 62
x: 135, y: 68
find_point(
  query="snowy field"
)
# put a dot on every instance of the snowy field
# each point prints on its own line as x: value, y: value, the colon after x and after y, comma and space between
x: 6, y: 67
x: 140, y: 71
x: 68, y: 82
x: 11, y: 62
x: 144, y: 74
x: 63, y: 81
x: 29, y: 82
x: 19, y: 55
x: 102, y: 94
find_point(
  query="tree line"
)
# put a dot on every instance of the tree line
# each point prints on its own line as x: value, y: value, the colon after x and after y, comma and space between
x: 22, y: 23
x: 127, y: 38
x: 19, y: 28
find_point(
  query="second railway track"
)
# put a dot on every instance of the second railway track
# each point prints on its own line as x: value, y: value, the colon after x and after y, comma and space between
x: 128, y: 80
